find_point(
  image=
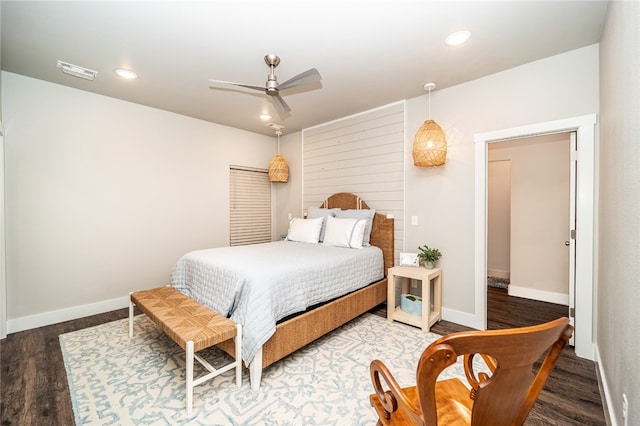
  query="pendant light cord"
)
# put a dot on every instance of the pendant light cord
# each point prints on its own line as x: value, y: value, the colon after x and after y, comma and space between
x: 278, y: 133
x: 428, y: 87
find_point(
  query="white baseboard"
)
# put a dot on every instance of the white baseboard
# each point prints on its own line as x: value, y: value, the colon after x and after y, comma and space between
x: 541, y: 295
x: 462, y: 318
x: 53, y: 317
x: 499, y: 273
x: 605, y: 392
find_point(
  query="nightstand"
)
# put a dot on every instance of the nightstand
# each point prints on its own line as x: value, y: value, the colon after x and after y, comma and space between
x: 427, y: 277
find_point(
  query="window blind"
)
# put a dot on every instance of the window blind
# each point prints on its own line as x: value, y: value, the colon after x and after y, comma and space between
x: 250, y: 206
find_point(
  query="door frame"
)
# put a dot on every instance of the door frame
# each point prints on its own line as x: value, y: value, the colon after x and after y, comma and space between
x: 573, y: 141
x: 3, y: 281
x: 584, y: 126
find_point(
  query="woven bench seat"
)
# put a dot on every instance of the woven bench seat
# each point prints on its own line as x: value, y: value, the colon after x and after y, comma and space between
x: 192, y: 326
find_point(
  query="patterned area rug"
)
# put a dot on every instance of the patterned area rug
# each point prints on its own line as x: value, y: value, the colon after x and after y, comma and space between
x: 498, y: 282
x: 115, y: 380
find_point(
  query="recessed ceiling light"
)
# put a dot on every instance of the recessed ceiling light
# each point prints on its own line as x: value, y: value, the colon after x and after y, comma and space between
x: 458, y: 37
x: 265, y: 117
x: 124, y: 73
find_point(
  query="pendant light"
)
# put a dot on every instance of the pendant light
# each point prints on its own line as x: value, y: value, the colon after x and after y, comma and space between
x: 278, y: 167
x: 429, y: 144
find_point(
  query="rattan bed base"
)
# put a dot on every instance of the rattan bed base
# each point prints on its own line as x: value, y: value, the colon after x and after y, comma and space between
x: 303, y: 329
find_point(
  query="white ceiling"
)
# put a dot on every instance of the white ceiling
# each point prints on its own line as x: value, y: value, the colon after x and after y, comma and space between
x: 369, y: 53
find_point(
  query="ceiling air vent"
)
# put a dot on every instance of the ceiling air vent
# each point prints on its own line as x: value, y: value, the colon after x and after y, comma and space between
x: 275, y: 126
x: 77, y: 71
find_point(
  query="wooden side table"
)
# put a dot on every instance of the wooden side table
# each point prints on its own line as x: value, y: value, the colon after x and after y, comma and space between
x: 427, y: 276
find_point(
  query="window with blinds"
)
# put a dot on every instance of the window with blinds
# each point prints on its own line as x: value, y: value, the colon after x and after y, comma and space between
x: 250, y: 206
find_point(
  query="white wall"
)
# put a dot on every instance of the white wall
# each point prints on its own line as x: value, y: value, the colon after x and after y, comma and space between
x: 561, y: 86
x: 499, y: 218
x: 103, y: 196
x: 553, y: 88
x: 618, y: 298
x: 289, y: 195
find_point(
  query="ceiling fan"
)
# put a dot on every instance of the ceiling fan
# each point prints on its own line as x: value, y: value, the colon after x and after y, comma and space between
x: 273, y: 88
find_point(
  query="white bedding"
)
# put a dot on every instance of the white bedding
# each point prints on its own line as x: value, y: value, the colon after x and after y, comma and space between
x: 257, y: 285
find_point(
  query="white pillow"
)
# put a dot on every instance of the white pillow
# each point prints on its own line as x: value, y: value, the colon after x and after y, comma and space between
x: 344, y: 232
x: 367, y: 214
x: 305, y: 230
x: 314, y: 212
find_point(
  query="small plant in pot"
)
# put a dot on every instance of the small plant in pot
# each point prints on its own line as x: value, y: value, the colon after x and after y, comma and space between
x: 429, y: 256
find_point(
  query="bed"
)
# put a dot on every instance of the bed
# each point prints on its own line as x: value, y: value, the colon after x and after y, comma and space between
x: 280, y: 311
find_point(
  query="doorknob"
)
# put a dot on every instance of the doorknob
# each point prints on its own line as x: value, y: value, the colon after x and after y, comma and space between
x: 566, y: 243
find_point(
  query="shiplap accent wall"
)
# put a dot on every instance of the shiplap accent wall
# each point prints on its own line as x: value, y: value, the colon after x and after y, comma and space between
x: 362, y: 154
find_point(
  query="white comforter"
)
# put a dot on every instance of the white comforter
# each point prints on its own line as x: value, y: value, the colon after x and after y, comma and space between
x: 257, y: 285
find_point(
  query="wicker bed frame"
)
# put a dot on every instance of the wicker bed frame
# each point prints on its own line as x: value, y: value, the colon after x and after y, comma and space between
x: 296, y: 332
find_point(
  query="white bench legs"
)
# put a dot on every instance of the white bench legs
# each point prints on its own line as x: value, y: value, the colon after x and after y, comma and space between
x: 213, y: 372
x: 206, y: 328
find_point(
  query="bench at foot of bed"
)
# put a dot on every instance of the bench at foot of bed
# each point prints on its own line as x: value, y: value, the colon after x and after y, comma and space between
x: 192, y: 326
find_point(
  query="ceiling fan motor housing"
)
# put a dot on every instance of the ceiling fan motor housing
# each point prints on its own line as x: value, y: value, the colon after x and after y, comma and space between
x: 272, y: 85
x: 272, y: 81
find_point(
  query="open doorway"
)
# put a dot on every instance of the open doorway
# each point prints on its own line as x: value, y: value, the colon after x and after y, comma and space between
x: 584, y: 126
x: 530, y: 205
x: 528, y: 222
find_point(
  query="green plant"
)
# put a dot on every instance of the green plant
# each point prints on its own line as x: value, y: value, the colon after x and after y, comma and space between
x: 427, y: 254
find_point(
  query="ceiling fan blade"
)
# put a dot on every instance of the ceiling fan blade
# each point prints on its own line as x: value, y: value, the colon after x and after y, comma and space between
x: 248, y: 86
x: 281, y: 105
x: 309, y: 76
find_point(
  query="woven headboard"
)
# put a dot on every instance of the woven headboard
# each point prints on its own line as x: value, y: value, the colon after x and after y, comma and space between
x: 381, y: 230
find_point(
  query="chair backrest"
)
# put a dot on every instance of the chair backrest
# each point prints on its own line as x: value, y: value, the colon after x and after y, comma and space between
x: 506, y: 395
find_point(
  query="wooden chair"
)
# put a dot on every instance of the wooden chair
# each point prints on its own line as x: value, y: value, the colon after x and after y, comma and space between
x: 502, y: 396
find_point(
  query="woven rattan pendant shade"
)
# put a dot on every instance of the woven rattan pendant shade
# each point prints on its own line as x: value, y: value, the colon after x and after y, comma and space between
x: 278, y: 169
x: 429, y: 145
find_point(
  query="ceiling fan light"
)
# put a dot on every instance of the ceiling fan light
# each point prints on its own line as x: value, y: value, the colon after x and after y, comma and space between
x: 429, y: 145
x: 458, y: 37
x: 127, y: 74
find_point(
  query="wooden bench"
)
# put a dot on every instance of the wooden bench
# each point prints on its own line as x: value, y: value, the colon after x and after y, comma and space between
x: 191, y: 325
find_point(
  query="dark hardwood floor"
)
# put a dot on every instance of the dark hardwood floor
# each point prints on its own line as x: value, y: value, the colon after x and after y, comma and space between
x: 34, y: 391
